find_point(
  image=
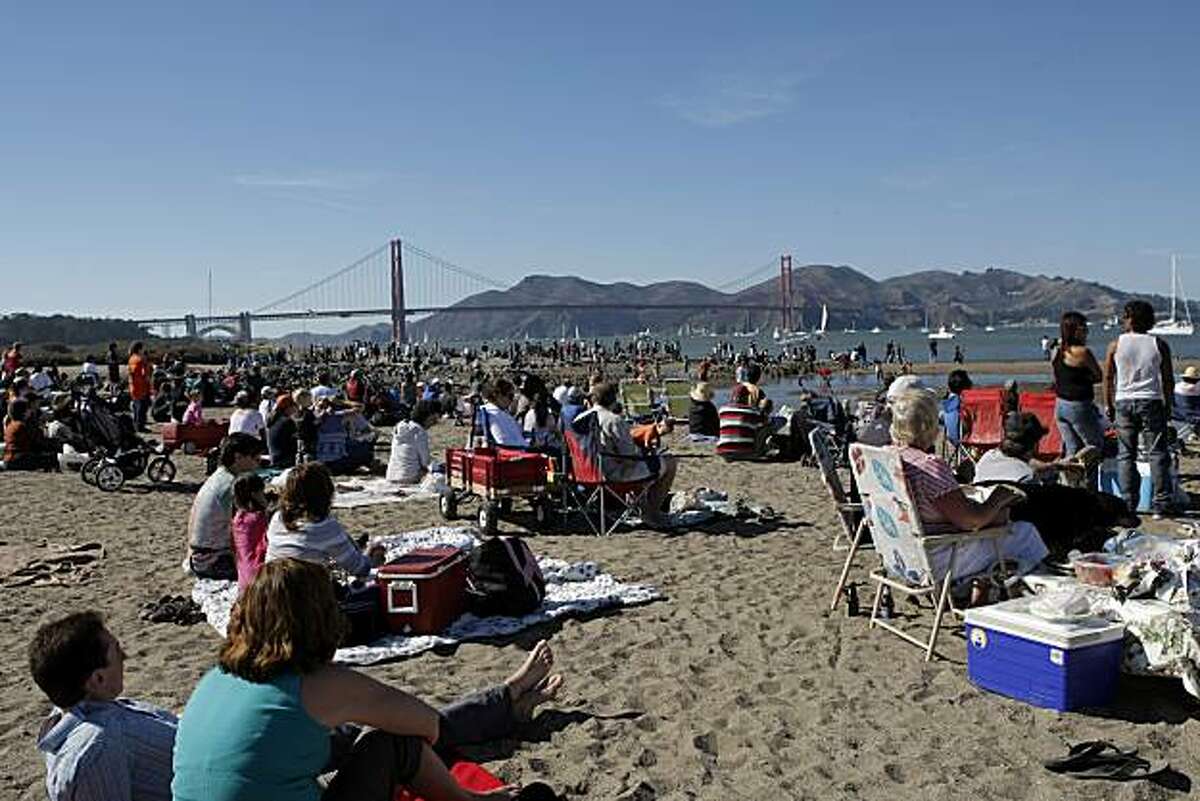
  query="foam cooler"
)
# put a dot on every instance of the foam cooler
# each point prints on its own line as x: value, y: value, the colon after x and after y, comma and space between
x: 1061, y: 666
x: 423, y: 591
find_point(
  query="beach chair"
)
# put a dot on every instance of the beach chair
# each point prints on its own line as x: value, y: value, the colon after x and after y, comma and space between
x: 851, y: 522
x: 677, y: 399
x: 981, y: 420
x: 1049, y: 447
x: 592, y: 493
x: 636, y: 399
x: 903, y: 547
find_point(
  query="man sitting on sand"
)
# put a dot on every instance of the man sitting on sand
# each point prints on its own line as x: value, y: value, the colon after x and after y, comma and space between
x: 97, y: 745
x: 210, y: 544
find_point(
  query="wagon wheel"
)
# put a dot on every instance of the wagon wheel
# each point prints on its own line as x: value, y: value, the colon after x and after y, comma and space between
x: 88, y: 471
x: 487, y: 517
x: 109, y: 477
x: 161, y: 470
x: 448, y: 505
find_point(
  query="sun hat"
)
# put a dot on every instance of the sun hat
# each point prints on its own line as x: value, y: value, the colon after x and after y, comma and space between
x: 906, y: 383
x: 1191, y: 373
x: 701, y: 392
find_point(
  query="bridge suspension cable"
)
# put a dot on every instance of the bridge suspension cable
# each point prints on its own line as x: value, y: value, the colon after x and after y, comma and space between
x: 324, y: 282
x: 754, y: 276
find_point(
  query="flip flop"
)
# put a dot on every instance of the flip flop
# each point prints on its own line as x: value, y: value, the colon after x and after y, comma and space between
x: 1099, y: 759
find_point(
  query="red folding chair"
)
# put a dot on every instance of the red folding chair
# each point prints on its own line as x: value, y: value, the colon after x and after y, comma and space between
x: 591, y: 491
x: 981, y: 417
x: 1050, y: 446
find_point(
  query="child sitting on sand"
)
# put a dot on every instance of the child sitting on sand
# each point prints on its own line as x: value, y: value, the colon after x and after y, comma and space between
x: 304, y: 527
x: 249, y: 529
x: 194, y: 414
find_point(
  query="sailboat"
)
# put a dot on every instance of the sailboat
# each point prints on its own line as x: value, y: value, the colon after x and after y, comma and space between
x: 925, y: 328
x: 942, y: 333
x: 820, y: 332
x: 1173, y: 326
x: 876, y: 330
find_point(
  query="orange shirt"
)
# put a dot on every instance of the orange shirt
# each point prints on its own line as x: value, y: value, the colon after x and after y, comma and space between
x: 139, y: 377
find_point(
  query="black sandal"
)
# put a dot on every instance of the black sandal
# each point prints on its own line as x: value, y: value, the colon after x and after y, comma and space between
x: 1099, y: 759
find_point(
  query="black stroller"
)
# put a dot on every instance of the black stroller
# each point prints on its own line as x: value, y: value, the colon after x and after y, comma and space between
x: 118, y: 454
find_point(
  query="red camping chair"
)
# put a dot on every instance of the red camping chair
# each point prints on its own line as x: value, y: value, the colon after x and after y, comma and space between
x: 981, y: 417
x: 1050, y: 447
x: 590, y: 489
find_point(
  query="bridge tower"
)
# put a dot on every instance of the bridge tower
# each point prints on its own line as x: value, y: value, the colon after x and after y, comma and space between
x: 785, y: 290
x: 399, y: 332
x: 244, y: 332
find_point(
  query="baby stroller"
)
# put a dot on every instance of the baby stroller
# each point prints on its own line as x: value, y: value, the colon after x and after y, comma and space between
x: 118, y: 454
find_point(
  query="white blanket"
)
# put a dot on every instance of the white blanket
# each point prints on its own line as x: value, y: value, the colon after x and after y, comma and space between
x: 571, y: 589
x: 353, y: 491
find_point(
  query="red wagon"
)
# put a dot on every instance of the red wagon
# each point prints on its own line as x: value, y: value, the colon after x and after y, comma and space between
x: 494, y: 477
x: 194, y: 438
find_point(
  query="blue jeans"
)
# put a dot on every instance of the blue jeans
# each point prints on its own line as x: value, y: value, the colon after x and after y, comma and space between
x: 1135, y: 419
x: 139, y: 409
x: 1079, y: 424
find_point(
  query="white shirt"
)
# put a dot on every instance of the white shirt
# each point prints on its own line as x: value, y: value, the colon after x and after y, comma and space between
x: 90, y: 368
x: 247, y: 421
x: 996, y: 466
x: 1139, y: 367
x: 503, y: 429
x: 410, y: 453
x: 39, y: 382
x: 322, y: 391
x: 265, y: 406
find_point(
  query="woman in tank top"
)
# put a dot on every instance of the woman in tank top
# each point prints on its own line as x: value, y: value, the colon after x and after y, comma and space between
x: 272, y: 716
x: 1139, y: 385
x: 1076, y: 372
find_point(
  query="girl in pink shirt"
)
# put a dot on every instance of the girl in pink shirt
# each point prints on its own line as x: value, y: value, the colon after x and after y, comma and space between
x: 195, y: 412
x: 249, y: 530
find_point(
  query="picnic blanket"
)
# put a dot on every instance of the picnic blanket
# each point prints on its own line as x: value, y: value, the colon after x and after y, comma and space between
x: 702, y: 505
x: 355, y: 491
x: 1157, y: 597
x: 572, y: 589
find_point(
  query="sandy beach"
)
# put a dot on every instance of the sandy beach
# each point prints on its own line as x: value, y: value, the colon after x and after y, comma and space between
x: 739, y: 685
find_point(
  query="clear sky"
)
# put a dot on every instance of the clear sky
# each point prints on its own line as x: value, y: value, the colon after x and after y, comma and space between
x: 141, y: 145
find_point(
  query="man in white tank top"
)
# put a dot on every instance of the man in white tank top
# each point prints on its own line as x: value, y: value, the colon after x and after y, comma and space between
x: 1139, y: 385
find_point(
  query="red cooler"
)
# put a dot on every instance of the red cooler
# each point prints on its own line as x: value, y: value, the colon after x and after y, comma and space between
x: 423, y: 591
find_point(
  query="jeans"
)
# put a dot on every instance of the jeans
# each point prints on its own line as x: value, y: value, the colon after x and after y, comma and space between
x: 371, y: 764
x: 1079, y: 425
x: 139, y: 409
x: 1137, y: 418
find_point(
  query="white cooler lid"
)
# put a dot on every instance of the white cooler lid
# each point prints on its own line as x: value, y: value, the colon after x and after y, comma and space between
x: 1014, y: 618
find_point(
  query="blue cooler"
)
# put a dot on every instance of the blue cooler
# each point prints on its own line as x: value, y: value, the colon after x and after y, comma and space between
x: 1061, y: 666
x: 1111, y: 484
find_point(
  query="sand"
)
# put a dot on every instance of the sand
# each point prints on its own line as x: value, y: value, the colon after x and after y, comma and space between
x: 739, y: 685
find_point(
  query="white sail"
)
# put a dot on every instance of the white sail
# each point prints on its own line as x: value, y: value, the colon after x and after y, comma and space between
x: 1173, y: 326
x: 824, y: 319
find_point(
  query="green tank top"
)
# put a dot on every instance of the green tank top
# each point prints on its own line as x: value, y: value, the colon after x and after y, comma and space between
x: 243, y: 741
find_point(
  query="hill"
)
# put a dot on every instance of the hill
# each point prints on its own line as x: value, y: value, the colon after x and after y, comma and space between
x: 63, y: 329
x: 971, y: 298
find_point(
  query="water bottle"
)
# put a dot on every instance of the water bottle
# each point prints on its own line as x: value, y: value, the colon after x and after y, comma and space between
x: 887, y: 606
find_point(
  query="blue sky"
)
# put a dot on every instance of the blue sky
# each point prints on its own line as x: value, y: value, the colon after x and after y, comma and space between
x: 141, y: 145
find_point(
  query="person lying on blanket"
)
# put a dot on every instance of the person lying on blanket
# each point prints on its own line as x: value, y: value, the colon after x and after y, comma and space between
x: 305, y: 528
x: 941, y: 503
x: 275, y: 674
x: 97, y: 745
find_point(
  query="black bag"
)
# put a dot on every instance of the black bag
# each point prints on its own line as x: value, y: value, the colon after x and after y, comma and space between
x: 359, y: 602
x: 504, y: 579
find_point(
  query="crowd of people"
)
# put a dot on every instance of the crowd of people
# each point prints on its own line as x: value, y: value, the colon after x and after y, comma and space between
x: 312, y: 418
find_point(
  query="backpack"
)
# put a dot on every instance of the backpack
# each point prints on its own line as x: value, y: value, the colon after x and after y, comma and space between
x: 504, y: 578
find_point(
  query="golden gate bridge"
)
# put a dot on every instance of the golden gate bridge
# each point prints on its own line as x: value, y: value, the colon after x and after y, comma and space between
x: 399, y: 280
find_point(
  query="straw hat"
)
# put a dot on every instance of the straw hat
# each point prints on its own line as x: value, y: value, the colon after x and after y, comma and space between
x: 1191, y: 373
x: 701, y: 392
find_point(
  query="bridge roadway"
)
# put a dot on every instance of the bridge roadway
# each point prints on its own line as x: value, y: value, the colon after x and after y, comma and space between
x: 411, y: 312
